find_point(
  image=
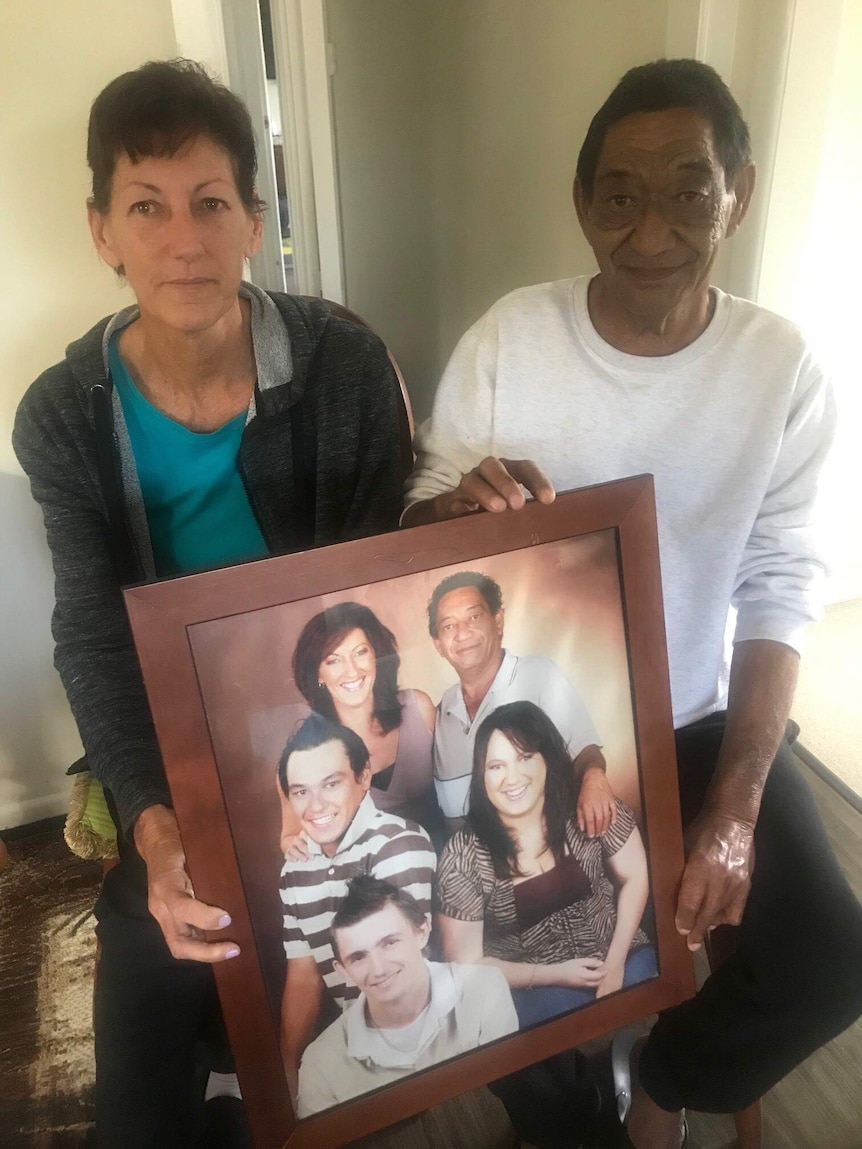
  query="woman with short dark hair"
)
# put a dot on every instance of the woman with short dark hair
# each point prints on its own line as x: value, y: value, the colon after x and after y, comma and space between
x: 208, y: 424
x: 521, y: 887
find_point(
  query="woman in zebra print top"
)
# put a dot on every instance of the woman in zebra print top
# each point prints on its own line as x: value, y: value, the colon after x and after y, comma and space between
x: 523, y: 888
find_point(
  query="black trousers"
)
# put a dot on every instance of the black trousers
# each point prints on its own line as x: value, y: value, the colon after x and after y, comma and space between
x: 157, y: 1023
x: 794, y: 982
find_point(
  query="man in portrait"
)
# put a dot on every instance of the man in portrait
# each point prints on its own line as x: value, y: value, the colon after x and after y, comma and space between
x: 410, y: 1014
x: 325, y: 773
x: 465, y: 621
x: 646, y: 367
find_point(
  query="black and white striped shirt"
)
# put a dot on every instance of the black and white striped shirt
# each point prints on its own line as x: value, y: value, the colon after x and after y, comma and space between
x: 376, y: 843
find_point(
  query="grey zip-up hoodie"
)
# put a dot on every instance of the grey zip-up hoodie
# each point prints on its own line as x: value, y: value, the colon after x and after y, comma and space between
x: 325, y: 392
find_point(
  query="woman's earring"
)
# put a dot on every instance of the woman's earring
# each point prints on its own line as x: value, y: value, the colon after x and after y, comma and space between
x: 320, y: 685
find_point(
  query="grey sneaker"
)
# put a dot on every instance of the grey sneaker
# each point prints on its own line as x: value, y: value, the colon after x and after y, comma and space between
x: 622, y: 1046
x: 621, y: 1068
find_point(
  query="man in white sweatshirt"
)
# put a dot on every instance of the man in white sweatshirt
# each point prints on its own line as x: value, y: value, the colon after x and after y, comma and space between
x: 645, y: 367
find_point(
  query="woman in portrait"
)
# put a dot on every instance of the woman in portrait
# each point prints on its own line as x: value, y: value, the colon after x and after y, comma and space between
x: 346, y: 666
x: 521, y: 887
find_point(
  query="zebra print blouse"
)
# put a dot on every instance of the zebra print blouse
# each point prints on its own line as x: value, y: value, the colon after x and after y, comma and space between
x: 467, y: 889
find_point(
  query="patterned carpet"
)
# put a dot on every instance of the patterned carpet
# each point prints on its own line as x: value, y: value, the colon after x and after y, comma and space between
x: 47, y: 950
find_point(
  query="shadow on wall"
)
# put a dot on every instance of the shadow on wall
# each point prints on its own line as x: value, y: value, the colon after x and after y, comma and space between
x: 38, y: 739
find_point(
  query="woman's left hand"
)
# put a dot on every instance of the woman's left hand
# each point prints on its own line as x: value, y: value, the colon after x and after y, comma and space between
x: 597, y: 806
x: 613, y: 979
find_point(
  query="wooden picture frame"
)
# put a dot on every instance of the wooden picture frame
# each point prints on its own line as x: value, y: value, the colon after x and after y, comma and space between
x: 214, y: 648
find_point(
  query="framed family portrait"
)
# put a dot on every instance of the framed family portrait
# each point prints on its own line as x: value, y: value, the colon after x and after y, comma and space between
x: 431, y: 777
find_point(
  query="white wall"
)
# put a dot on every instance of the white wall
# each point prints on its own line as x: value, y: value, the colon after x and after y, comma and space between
x: 200, y: 35
x: 761, y: 44
x: 813, y: 245
x: 518, y: 83
x: 830, y: 686
x: 54, y: 59
x: 457, y: 131
x: 383, y: 110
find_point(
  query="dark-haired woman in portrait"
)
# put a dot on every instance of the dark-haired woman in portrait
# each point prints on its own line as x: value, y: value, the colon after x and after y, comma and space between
x: 521, y: 887
x: 346, y: 665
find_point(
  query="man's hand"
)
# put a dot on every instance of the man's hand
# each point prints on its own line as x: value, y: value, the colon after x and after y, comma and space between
x: 597, y: 806
x: 720, y: 841
x: 171, y: 899
x: 291, y: 1074
x: 295, y: 847
x: 717, y: 875
x: 495, y: 485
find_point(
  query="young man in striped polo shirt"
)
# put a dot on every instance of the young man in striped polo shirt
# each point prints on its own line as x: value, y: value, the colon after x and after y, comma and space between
x: 325, y: 774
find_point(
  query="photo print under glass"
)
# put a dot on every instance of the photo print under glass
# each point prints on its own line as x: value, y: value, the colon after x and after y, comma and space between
x: 432, y: 787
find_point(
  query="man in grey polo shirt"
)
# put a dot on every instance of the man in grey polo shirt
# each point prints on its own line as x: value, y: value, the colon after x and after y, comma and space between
x: 411, y: 1014
x: 325, y: 774
x: 465, y: 620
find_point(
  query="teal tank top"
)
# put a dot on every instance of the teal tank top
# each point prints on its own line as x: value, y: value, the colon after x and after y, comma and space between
x: 195, y: 499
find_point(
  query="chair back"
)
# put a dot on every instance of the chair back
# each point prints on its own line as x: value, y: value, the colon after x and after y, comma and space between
x: 406, y: 425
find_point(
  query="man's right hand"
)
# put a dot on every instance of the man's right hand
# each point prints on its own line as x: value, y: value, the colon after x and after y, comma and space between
x: 171, y: 899
x: 495, y: 485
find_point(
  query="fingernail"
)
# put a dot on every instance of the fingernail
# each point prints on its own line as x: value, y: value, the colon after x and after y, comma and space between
x: 223, y: 921
x: 232, y: 953
x: 683, y: 931
x: 694, y: 947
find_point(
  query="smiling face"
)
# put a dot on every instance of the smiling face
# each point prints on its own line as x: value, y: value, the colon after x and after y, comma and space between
x: 469, y: 637
x: 324, y: 792
x: 660, y: 208
x: 177, y: 226
x: 514, y: 779
x: 348, y: 672
x: 384, y: 956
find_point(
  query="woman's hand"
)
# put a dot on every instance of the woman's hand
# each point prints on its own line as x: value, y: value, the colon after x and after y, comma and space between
x: 295, y: 847
x: 613, y: 979
x: 171, y: 901
x: 580, y: 973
